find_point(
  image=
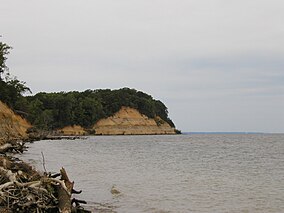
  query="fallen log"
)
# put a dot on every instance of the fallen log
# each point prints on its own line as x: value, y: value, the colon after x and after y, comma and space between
x: 23, y: 189
x: 37, y: 196
x: 12, y: 146
x: 64, y: 193
x: 4, y: 148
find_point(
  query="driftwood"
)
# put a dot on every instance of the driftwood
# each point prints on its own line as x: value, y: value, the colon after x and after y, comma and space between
x: 13, y: 146
x: 64, y: 193
x: 23, y: 189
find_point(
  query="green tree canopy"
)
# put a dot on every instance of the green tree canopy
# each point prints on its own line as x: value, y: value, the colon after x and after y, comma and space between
x: 86, y: 108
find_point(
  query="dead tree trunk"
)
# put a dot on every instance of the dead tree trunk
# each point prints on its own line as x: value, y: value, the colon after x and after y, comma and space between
x: 64, y: 193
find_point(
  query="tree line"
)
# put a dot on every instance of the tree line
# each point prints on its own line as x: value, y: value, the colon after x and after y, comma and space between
x: 56, y: 110
x: 51, y: 111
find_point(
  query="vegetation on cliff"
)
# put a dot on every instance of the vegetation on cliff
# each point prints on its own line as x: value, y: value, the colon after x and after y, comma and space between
x: 56, y: 110
x: 51, y: 111
x: 129, y: 121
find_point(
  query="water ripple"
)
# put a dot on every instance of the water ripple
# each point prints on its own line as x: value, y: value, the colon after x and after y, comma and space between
x: 182, y: 173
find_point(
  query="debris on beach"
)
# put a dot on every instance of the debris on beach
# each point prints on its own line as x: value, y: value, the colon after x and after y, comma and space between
x: 23, y: 189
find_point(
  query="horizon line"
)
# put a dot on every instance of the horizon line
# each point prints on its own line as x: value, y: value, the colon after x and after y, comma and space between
x: 228, y: 132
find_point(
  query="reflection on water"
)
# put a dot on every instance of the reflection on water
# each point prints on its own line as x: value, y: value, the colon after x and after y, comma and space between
x: 182, y: 173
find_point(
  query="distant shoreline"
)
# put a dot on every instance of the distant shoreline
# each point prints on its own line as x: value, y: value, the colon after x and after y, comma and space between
x: 229, y: 133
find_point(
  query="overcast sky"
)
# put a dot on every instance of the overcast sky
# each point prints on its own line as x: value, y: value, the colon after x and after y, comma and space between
x: 218, y: 65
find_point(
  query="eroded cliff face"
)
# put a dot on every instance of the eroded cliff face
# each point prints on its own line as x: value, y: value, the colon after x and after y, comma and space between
x: 129, y: 121
x: 72, y: 130
x: 12, y: 126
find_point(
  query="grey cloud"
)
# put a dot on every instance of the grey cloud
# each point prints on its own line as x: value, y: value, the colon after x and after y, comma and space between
x: 218, y: 65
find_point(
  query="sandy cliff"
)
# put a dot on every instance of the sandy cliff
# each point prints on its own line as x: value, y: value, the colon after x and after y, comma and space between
x: 72, y: 130
x: 128, y: 121
x: 12, y: 126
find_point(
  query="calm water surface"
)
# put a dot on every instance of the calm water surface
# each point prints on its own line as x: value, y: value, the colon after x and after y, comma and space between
x: 182, y: 173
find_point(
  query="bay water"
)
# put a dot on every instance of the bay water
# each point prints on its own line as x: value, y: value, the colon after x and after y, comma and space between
x: 176, y: 173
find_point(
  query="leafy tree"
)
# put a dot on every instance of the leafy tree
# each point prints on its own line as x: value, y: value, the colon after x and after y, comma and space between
x: 4, y: 50
x: 11, y: 89
x: 45, y: 120
x: 35, y: 109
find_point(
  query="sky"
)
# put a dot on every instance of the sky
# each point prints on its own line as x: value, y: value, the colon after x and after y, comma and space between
x: 218, y: 65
